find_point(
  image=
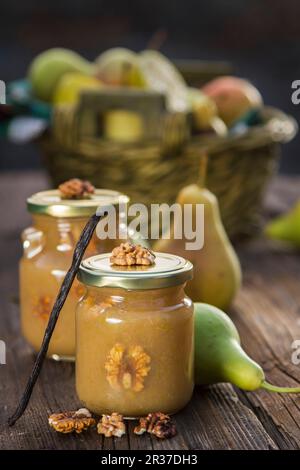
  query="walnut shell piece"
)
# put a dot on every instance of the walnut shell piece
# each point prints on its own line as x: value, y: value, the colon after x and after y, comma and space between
x: 158, y: 424
x: 42, y: 307
x: 111, y: 425
x: 71, y: 421
x: 76, y: 189
x: 127, y: 368
x: 128, y: 254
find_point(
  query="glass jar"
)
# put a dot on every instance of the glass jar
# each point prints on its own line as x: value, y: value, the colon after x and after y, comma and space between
x: 135, y: 337
x: 47, y: 255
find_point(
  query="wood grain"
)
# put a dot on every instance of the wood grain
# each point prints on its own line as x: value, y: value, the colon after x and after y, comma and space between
x: 266, y: 312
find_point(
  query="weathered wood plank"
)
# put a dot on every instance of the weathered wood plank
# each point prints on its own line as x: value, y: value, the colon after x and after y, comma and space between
x: 267, y: 316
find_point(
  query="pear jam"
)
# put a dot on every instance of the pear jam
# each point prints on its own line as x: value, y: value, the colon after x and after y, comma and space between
x: 135, y: 336
x: 48, y: 249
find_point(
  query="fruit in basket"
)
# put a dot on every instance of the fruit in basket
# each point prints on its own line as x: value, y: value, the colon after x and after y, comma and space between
x: 286, y: 227
x: 48, y: 67
x: 219, y: 356
x: 205, y: 113
x: 119, y: 67
x: 123, y: 126
x: 233, y: 97
x: 218, y: 127
x: 217, y: 272
x: 70, y: 86
x: 204, y: 109
x: 162, y: 76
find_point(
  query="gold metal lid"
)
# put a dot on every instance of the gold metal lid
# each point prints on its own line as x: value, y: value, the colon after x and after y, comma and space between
x: 51, y: 203
x: 168, y: 270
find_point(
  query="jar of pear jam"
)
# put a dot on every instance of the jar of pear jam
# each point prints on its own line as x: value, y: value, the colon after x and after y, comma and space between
x: 135, y: 336
x: 47, y: 255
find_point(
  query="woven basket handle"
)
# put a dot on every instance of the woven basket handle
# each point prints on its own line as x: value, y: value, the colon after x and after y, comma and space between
x: 149, y: 105
x: 175, y: 133
x: 65, y: 125
x: 73, y: 125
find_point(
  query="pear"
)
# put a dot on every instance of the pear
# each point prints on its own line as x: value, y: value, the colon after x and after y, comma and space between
x: 162, y: 76
x: 119, y: 67
x: 203, y: 108
x: 71, y: 85
x: 48, y: 68
x: 219, y: 356
x: 217, y: 272
x: 286, y: 227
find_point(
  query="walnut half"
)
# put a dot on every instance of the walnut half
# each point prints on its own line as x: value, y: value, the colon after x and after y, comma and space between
x: 128, y: 254
x: 71, y: 421
x: 127, y: 368
x: 158, y: 424
x: 76, y: 189
x: 111, y: 425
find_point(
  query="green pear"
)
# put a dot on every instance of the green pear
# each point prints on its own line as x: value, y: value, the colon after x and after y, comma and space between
x: 217, y: 272
x: 286, y: 227
x: 219, y: 356
x: 48, y: 68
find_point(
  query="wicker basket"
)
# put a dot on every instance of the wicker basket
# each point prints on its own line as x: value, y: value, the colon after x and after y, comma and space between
x: 153, y: 170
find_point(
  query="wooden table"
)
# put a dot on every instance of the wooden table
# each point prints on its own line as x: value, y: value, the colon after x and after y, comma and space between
x: 266, y: 312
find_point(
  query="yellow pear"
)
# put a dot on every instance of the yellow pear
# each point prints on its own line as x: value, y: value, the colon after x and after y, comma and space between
x: 119, y: 67
x: 71, y: 85
x: 203, y: 108
x: 217, y: 271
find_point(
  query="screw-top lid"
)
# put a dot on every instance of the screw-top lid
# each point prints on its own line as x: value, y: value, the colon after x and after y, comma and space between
x: 168, y: 270
x: 52, y: 203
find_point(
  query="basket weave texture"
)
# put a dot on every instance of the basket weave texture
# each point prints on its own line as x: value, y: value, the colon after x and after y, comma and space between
x: 153, y: 171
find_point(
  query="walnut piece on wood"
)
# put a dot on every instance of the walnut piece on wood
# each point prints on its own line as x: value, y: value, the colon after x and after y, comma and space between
x: 111, y: 425
x: 128, y: 254
x: 76, y: 189
x: 71, y: 421
x: 158, y: 424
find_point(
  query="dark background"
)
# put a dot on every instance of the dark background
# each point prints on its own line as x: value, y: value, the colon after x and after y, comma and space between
x: 260, y: 37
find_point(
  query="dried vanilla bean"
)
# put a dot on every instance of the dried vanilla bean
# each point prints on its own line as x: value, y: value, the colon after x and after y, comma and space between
x: 80, y: 248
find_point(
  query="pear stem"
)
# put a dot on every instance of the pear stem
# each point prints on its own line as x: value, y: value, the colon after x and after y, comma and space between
x: 203, y: 170
x: 273, y: 388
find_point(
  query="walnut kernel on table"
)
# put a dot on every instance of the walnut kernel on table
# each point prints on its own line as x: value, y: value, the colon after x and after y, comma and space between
x: 111, y: 425
x: 128, y: 254
x: 76, y: 189
x: 158, y: 424
x: 71, y: 421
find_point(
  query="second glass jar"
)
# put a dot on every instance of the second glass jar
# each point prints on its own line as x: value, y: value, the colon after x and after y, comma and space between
x: 48, y: 247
